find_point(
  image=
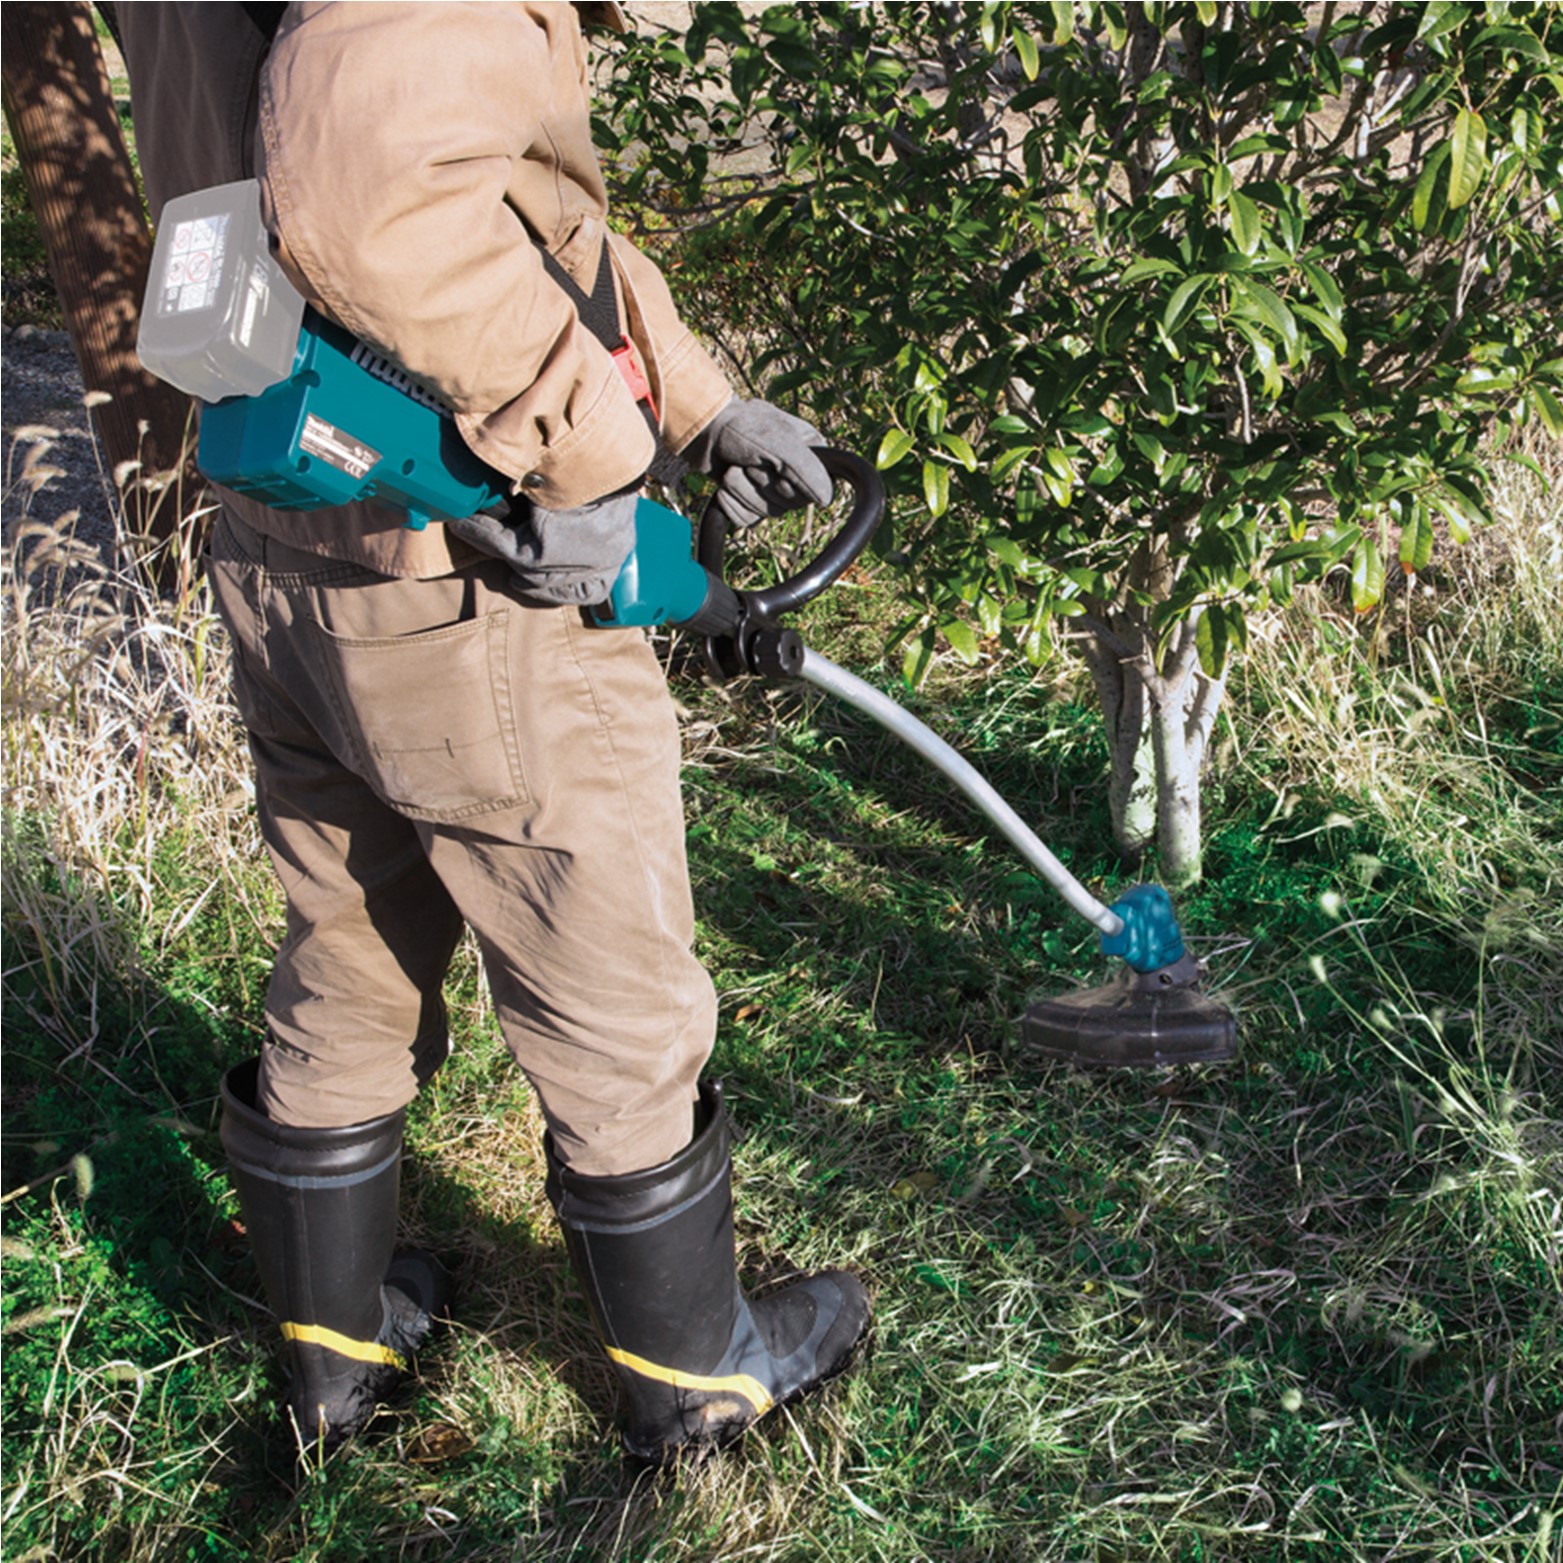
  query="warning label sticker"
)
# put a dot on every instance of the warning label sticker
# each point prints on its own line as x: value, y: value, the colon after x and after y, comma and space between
x: 336, y: 447
x: 194, y: 269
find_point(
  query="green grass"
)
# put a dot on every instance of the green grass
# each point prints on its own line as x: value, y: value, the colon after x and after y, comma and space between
x: 1303, y: 1306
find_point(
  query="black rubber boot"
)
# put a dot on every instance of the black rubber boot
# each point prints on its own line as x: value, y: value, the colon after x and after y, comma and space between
x: 320, y: 1207
x: 699, y: 1362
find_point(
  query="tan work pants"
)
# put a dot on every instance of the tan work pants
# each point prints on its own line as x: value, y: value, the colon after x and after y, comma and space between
x: 429, y: 753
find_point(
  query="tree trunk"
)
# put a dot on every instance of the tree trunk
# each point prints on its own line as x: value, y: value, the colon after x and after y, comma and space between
x: 62, y: 117
x: 1185, y: 700
x: 1159, y: 718
x: 1131, y: 784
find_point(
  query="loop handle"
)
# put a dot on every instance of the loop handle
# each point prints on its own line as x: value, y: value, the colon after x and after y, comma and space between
x: 834, y: 559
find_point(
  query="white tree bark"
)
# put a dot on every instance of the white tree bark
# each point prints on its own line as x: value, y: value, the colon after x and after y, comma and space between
x: 1184, y: 703
x: 1131, y: 788
x: 1159, y: 721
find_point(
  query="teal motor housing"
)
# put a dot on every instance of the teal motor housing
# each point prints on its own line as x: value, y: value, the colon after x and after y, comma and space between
x: 663, y: 583
x: 345, y: 425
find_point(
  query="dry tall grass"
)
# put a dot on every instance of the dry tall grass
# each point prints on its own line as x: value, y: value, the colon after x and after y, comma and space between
x: 1431, y: 720
x: 120, y: 746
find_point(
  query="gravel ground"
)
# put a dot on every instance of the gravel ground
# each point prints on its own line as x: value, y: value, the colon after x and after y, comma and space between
x: 41, y: 389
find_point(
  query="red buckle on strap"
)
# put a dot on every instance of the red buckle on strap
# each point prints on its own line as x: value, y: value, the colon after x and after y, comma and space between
x: 628, y: 361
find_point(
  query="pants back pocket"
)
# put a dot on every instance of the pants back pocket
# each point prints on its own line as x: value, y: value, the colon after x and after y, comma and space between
x: 430, y: 716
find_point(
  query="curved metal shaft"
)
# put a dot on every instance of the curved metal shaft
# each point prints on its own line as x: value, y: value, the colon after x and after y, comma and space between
x: 824, y: 674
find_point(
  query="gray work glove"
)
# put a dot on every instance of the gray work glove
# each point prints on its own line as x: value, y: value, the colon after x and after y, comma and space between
x: 763, y: 461
x: 568, y: 558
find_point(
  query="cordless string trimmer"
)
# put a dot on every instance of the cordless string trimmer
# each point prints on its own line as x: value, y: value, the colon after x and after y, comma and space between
x: 325, y: 421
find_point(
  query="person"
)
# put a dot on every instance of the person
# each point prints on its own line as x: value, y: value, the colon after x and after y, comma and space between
x: 438, y: 737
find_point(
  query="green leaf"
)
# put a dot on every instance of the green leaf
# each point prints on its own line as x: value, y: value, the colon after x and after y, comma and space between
x: 1467, y: 157
x: 1059, y: 461
x: 1063, y: 20
x: 1151, y: 449
x: 1427, y: 211
x: 1310, y: 548
x: 895, y: 444
x: 1008, y: 461
x: 1207, y: 12
x: 1108, y: 469
x: 936, y: 487
x: 1247, y: 225
x: 1161, y: 395
x: 1367, y: 577
x: 1482, y: 381
x: 962, y: 639
x: 1525, y: 130
x: 1210, y: 636
x: 1117, y: 30
x: 1184, y: 297
x: 1087, y: 423
x: 1264, y: 355
x: 1462, y: 513
x: 960, y: 450
x: 1147, y: 266
x: 1440, y: 17
x: 1267, y: 306
x: 917, y: 658
x: 1251, y: 146
x: 1548, y: 409
x: 1340, y: 540
x: 1416, y: 542
x: 1026, y: 48
x: 1328, y: 328
x: 1325, y: 289
x: 1512, y: 40
x: 1038, y: 642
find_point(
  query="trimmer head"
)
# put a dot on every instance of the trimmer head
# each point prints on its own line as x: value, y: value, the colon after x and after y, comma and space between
x: 1135, y: 1021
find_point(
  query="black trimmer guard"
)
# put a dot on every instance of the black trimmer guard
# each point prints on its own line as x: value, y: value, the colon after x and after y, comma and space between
x: 1135, y: 1021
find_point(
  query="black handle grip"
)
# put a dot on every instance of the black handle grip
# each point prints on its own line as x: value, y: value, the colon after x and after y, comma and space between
x: 851, y: 539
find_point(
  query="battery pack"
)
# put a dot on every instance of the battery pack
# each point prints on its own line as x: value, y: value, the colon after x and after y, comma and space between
x: 220, y: 317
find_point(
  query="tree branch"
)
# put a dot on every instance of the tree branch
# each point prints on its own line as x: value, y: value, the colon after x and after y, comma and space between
x: 1202, y: 712
x: 1107, y: 636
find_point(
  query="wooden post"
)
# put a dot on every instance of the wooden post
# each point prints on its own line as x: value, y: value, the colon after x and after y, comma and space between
x: 62, y: 117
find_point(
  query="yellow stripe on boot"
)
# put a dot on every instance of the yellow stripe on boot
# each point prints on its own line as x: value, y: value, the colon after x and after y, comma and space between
x: 343, y: 1345
x: 744, y: 1384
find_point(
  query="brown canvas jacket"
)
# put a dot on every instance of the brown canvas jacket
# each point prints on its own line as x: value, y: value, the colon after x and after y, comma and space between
x: 411, y: 157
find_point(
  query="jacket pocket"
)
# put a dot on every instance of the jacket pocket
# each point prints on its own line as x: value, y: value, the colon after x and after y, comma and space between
x: 429, y: 716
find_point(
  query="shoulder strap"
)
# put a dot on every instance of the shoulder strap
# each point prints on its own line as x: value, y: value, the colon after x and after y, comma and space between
x: 599, y: 312
x: 599, y: 309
